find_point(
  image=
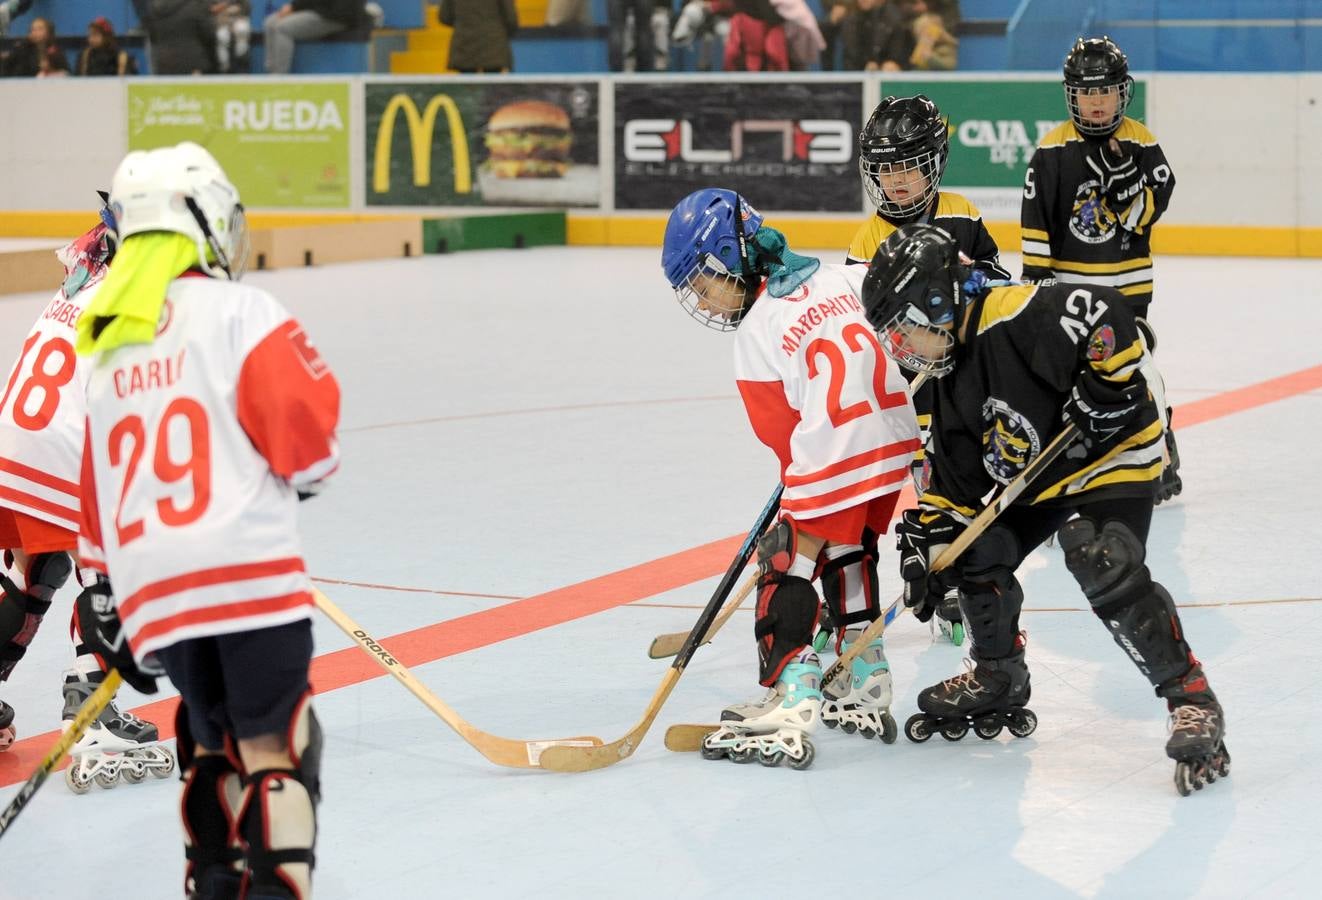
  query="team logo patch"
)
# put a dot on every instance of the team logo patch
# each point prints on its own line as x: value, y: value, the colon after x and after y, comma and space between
x: 1009, y: 441
x: 1101, y: 344
x: 1092, y: 220
x: 166, y: 317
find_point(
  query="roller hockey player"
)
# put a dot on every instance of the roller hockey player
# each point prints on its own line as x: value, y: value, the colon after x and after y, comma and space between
x: 223, y: 389
x: 1014, y: 365
x: 822, y: 395
x: 903, y: 150
x: 1093, y: 190
x: 42, y: 415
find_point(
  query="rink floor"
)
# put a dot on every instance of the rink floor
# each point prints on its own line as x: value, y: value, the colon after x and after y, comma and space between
x: 527, y: 424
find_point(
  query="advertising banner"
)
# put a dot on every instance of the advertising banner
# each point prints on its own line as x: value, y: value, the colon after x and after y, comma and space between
x: 785, y: 145
x: 994, y: 128
x: 282, y: 143
x: 471, y: 144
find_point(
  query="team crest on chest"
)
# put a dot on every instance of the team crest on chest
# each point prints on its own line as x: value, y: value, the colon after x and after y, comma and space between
x: 1092, y: 220
x: 1009, y: 441
x: 1101, y: 343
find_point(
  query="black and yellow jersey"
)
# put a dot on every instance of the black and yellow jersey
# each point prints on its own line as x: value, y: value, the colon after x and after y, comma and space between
x: 1069, y: 230
x: 1003, y: 401
x: 954, y: 215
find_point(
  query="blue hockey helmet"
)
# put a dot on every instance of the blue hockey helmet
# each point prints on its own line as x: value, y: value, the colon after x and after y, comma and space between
x: 705, y: 256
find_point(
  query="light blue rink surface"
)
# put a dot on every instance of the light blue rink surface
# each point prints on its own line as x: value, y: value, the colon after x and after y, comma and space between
x: 518, y: 421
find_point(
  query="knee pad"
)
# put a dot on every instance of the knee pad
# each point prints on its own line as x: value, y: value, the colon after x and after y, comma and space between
x: 278, y: 818
x: 850, y: 590
x: 786, y: 618
x: 991, y: 618
x: 25, y: 601
x: 209, y: 806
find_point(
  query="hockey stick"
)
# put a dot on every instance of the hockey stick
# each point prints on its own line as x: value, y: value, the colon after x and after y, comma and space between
x: 87, y: 714
x: 665, y: 645
x: 583, y: 759
x: 501, y: 751
x: 687, y: 738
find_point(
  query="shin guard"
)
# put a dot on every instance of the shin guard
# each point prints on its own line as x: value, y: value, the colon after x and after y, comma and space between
x: 850, y: 589
x: 787, y: 605
x: 25, y: 601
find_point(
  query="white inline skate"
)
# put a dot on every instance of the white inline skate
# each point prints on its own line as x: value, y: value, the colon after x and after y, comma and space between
x: 117, y: 745
x: 859, y: 700
x: 776, y: 727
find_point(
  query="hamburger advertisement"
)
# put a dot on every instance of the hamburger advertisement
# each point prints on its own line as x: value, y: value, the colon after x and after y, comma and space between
x: 516, y: 143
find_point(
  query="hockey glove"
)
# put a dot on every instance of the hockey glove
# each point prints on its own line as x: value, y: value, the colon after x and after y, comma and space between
x: 1101, y: 409
x: 102, y: 632
x: 1117, y: 172
x: 920, y: 536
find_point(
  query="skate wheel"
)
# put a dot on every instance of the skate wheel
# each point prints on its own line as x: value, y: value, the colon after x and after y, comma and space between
x: 955, y: 731
x: 917, y: 728
x: 1221, y: 762
x: 134, y: 775
x: 988, y: 731
x: 889, y: 730
x: 1023, y: 723
x: 770, y: 759
x: 742, y: 756
x: 957, y: 633
x: 76, y: 782
x: 711, y: 752
x: 106, y: 780
x: 1184, y: 779
x: 804, y: 761
x: 830, y: 723
x: 166, y: 770
x: 849, y: 727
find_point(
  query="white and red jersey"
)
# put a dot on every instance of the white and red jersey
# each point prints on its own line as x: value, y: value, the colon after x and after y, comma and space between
x: 196, y: 446
x: 42, y: 411
x: 822, y: 394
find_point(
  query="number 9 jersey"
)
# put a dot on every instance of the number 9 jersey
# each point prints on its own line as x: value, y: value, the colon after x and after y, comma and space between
x: 821, y: 393
x: 197, y: 447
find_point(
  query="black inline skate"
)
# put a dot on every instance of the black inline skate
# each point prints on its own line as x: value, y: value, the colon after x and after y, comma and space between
x: 1198, y: 730
x: 987, y: 697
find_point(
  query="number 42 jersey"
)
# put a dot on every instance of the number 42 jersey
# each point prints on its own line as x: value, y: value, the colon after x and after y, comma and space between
x: 197, y: 445
x: 821, y: 393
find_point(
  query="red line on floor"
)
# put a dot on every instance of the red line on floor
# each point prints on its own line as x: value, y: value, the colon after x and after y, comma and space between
x: 343, y: 668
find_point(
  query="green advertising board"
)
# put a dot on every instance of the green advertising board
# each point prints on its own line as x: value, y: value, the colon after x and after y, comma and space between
x: 995, y: 125
x: 282, y: 143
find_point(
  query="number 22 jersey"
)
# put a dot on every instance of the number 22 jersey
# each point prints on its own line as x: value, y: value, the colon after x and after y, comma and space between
x: 196, y: 447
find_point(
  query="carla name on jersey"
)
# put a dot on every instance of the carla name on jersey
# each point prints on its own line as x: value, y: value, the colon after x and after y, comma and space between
x: 156, y: 373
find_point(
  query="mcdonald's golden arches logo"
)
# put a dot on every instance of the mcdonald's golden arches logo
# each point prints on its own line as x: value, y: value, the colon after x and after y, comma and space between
x: 421, y: 127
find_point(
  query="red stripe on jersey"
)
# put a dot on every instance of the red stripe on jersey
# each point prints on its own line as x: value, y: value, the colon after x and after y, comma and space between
x: 228, y: 611
x: 89, y: 526
x: 288, y: 401
x: 46, y: 506
x: 771, y: 415
x: 36, y: 476
x: 888, y: 451
x: 206, y: 578
x: 796, y: 505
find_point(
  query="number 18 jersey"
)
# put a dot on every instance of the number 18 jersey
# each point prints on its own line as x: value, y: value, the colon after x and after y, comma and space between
x: 196, y: 446
x: 821, y: 393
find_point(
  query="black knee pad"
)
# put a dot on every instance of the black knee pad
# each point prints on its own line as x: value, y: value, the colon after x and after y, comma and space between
x: 991, y: 618
x: 1107, y: 563
x: 786, y: 618
x: 835, y: 585
x: 212, y: 793
x: 22, y: 609
x: 1147, y: 628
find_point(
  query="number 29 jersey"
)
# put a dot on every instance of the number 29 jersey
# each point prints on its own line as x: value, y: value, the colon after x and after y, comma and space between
x: 820, y: 392
x: 196, y: 447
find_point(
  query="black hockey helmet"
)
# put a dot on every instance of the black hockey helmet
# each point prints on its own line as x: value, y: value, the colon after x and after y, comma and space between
x: 903, y: 134
x: 912, y: 297
x: 1097, y: 65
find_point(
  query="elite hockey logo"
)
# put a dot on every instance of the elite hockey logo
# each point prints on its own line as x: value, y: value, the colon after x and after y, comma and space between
x: 795, y: 147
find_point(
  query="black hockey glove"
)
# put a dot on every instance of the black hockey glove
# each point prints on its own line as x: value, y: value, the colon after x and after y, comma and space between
x: 920, y: 536
x: 102, y: 633
x: 1118, y: 173
x: 1102, y: 409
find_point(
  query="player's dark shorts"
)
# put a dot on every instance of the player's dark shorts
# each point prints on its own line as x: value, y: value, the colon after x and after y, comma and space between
x: 243, y: 684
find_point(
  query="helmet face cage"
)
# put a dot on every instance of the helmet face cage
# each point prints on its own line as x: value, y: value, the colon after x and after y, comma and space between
x: 1096, y: 66
x: 918, y: 176
x: 916, y: 342
x: 722, y: 294
x: 903, y: 147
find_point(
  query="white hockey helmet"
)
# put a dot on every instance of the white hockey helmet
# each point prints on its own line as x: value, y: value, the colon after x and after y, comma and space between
x: 182, y: 189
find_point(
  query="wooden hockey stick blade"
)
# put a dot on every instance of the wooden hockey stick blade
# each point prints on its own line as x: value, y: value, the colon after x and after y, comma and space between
x: 687, y: 738
x: 579, y: 759
x: 667, y: 645
x: 87, y: 714
x: 515, y: 754
x: 981, y: 523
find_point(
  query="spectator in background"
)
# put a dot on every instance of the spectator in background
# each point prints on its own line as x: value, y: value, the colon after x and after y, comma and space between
x: 935, y: 48
x: 660, y: 25
x: 635, y: 17
x: 757, y: 39
x: 233, y: 34
x: 569, y: 12
x: 701, y: 21
x: 306, y: 20
x: 876, y: 37
x: 836, y: 12
x: 482, y: 30
x: 802, y: 36
x: 183, y: 37
x: 102, y: 55
x: 36, y: 55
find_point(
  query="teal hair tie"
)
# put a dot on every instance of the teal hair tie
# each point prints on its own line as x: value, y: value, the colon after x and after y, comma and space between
x: 784, y: 269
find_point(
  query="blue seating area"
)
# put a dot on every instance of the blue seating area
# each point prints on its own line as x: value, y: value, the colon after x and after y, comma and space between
x: 996, y: 35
